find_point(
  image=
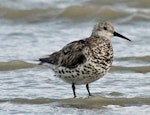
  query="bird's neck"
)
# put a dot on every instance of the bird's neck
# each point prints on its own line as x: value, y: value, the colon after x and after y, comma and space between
x: 101, y: 35
x: 101, y: 38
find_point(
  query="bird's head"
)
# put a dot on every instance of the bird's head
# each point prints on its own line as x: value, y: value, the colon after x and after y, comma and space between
x: 106, y: 30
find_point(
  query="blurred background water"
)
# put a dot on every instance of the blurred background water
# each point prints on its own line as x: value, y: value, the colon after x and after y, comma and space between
x: 33, y: 29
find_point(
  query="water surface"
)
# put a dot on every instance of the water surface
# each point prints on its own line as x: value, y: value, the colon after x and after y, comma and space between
x: 33, y: 29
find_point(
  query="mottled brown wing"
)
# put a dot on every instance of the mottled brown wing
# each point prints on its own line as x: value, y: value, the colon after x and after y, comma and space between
x: 70, y: 56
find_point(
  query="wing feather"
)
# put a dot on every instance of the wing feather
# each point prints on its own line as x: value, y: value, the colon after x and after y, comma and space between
x: 69, y: 56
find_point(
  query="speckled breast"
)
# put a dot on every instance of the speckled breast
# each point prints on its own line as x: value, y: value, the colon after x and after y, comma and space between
x: 98, y: 63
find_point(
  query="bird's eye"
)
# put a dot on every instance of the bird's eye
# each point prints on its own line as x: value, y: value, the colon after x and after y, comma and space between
x: 105, y: 28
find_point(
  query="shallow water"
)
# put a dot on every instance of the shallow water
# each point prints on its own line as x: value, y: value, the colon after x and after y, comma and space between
x: 33, y: 29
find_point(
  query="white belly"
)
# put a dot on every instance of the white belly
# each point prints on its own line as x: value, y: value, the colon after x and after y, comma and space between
x: 79, y: 75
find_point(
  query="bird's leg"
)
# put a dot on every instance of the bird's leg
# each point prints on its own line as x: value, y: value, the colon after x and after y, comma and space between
x: 87, y: 87
x: 73, y: 89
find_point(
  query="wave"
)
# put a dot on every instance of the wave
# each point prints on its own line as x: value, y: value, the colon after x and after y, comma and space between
x: 27, y: 14
x: 138, y: 69
x: 18, y: 64
x: 82, y: 12
x: 131, y: 3
x: 15, y: 64
x: 86, y: 103
x: 143, y: 58
x: 87, y: 12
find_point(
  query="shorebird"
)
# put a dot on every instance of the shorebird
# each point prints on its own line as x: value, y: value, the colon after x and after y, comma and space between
x: 86, y: 60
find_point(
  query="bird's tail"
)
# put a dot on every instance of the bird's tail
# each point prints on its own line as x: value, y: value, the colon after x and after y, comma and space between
x: 43, y: 60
